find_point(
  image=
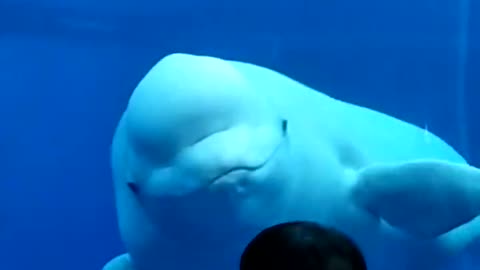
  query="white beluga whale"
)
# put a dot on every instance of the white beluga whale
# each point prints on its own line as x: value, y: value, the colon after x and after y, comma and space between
x: 210, y: 151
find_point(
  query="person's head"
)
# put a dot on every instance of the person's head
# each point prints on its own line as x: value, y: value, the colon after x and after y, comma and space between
x: 301, y: 246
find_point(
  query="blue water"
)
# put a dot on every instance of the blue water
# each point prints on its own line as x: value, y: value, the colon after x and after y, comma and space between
x: 67, y: 69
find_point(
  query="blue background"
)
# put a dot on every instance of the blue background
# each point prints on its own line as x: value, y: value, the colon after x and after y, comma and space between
x: 67, y: 69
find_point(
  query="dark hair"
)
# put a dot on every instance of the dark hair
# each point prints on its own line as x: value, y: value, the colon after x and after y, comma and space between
x: 301, y: 245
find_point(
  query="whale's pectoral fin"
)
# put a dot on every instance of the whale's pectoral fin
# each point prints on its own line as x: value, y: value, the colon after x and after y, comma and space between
x: 121, y: 262
x: 425, y: 198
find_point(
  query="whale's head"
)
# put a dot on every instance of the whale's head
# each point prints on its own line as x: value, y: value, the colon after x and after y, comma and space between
x: 195, y: 124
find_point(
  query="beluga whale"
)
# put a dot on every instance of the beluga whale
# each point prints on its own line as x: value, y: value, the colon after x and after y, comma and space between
x: 210, y: 151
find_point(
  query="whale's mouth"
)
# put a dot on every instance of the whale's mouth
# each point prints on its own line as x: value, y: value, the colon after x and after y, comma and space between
x: 242, y: 171
x: 220, y: 178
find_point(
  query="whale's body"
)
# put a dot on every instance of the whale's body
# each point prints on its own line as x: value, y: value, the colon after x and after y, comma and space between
x: 290, y: 153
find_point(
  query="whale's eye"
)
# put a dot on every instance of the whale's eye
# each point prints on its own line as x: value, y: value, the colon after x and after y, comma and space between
x: 133, y: 187
x: 284, y: 126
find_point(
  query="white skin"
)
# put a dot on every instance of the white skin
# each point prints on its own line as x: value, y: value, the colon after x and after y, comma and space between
x: 209, y: 152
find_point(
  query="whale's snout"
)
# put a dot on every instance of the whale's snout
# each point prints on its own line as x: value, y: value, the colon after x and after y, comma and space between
x: 193, y: 122
x: 223, y: 160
